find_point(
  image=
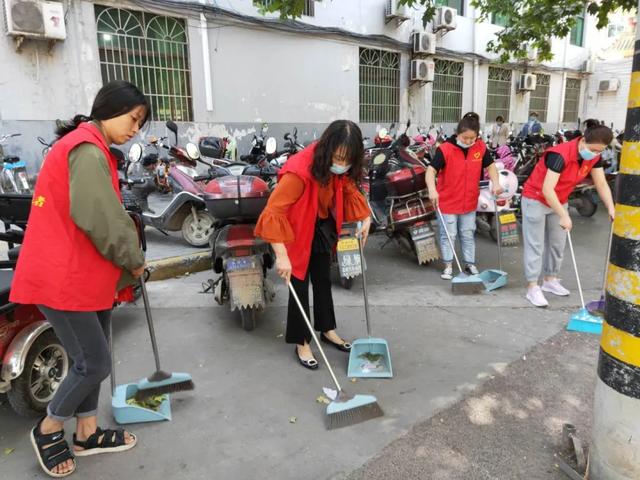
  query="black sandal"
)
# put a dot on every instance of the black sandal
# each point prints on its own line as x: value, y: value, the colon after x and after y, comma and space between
x: 343, y: 347
x: 112, y: 441
x: 52, y: 450
x: 311, y: 364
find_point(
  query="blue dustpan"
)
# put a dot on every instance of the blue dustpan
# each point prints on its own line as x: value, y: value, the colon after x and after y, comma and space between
x: 583, y: 321
x: 124, y: 413
x: 493, y: 279
x: 370, y: 358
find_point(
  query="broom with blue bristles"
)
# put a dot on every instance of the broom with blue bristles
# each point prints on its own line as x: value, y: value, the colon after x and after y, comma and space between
x: 345, y: 409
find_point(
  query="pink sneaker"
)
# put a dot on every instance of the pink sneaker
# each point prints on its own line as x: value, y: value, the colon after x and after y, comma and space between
x: 554, y: 286
x: 536, y: 297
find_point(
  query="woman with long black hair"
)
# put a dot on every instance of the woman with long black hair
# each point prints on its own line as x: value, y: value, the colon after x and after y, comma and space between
x: 317, y: 192
x: 80, y: 248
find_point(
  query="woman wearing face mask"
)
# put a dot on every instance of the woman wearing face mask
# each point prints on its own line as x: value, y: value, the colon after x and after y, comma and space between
x: 317, y: 191
x: 499, y: 133
x: 545, y: 213
x: 458, y: 164
x: 79, y: 247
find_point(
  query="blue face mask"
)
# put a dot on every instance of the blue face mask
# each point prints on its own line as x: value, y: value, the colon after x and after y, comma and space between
x: 339, y: 169
x: 533, y: 119
x: 587, y: 154
x: 464, y: 145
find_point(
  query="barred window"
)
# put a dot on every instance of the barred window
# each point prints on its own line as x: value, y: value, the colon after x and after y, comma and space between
x: 379, y: 86
x: 309, y: 6
x: 150, y: 51
x: 576, y: 37
x: 498, y: 93
x: 571, y: 100
x: 447, y: 92
x: 539, y: 99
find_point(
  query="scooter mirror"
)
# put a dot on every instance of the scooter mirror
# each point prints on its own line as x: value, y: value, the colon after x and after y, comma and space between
x: 383, y: 133
x: 135, y: 153
x: 171, y: 125
x: 408, y: 124
x: 271, y: 146
x: 287, y: 136
x: 192, y: 151
x: 295, y: 130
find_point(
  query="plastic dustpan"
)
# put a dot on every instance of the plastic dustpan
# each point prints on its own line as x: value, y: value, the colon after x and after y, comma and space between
x: 493, y: 279
x: 370, y: 358
x: 583, y: 321
x: 125, y: 413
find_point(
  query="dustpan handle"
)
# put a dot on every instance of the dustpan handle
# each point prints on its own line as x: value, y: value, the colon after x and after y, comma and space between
x: 152, y: 331
x: 313, y: 334
x: 112, y: 376
x: 453, y: 247
x: 364, y: 280
x: 498, y: 236
x: 575, y: 267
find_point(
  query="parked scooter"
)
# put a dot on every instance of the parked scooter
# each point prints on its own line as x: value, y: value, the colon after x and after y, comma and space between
x: 486, y: 210
x: 241, y: 259
x: 259, y: 147
x: 186, y: 212
x: 13, y: 176
x: 33, y: 362
x: 398, y: 198
x: 291, y: 147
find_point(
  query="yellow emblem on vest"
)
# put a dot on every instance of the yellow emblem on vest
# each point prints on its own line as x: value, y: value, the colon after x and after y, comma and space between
x: 38, y: 201
x: 476, y: 156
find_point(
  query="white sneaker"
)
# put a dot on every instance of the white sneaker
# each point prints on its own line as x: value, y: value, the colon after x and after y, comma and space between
x: 536, y: 297
x: 554, y: 286
x: 447, y: 273
x: 471, y: 269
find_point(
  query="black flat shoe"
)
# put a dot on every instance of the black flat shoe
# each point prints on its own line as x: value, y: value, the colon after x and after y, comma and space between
x: 311, y: 364
x: 343, y: 347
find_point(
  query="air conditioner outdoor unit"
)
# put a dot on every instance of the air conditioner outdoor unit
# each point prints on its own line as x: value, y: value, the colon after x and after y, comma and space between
x: 445, y: 19
x: 589, y: 66
x: 609, y: 85
x: 424, y: 43
x: 35, y: 19
x: 423, y: 70
x: 393, y: 11
x: 527, y: 82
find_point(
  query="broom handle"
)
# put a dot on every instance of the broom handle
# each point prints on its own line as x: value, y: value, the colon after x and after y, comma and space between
x: 575, y: 267
x: 453, y: 247
x: 606, y: 261
x: 313, y: 334
x: 499, y: 239
x: 152, y: 332
x: 364, y: 281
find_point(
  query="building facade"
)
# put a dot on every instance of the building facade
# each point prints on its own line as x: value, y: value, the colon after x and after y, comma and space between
x: 221, y: 68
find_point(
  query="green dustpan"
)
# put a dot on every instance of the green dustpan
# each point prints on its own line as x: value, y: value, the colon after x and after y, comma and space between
x: 369, y: 357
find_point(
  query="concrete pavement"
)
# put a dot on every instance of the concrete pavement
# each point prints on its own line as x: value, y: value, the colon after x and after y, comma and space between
x: 236, y: 424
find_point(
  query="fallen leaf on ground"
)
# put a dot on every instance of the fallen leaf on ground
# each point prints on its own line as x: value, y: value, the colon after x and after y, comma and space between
x: 293, y: 420
x: 323, y: 399
x: 8, y: 451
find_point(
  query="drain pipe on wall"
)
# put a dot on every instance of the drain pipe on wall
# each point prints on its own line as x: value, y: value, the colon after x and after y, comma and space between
x: 476, y: 63
x: 206, y: 62
x: 564, y: 82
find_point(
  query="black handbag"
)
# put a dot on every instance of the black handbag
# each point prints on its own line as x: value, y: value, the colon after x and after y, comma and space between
x: 325, y: 236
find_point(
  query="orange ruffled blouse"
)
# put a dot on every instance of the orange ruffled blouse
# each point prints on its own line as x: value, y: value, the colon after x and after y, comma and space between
x: 273, y: 225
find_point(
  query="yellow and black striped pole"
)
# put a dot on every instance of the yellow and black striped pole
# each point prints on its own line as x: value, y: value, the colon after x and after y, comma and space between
x: 615, y: 446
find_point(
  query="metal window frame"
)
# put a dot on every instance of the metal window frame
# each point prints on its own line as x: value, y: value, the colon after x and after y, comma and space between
x: 379, y: 85
x: 499, y: 88
x: 580, y: 19
x: 571, y: 109
x: 308, y: 11
x: 452, y: 4
x: 539, y: 98
x: 447, y: 92
x: 151, y: 51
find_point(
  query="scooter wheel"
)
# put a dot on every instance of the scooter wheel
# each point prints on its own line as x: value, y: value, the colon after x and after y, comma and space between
x: 248, y: 318
x: 587, y: 207
x: 346, y: 283
x: 198, y: 230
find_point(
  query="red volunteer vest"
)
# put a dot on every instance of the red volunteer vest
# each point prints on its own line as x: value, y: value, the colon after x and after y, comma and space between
x: 572, y: 174
x: 303, y: 214
x: 459, y: 181
x: 59, y: 266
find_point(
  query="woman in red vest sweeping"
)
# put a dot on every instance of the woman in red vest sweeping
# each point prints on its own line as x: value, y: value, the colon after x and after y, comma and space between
x: 317, y: 191
x: 80, y: 246
x: 459, y: 163
x: 545, y: 212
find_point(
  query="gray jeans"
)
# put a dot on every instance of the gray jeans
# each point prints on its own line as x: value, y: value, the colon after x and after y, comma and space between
x: 544, y: 240
x: 85, y: 337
